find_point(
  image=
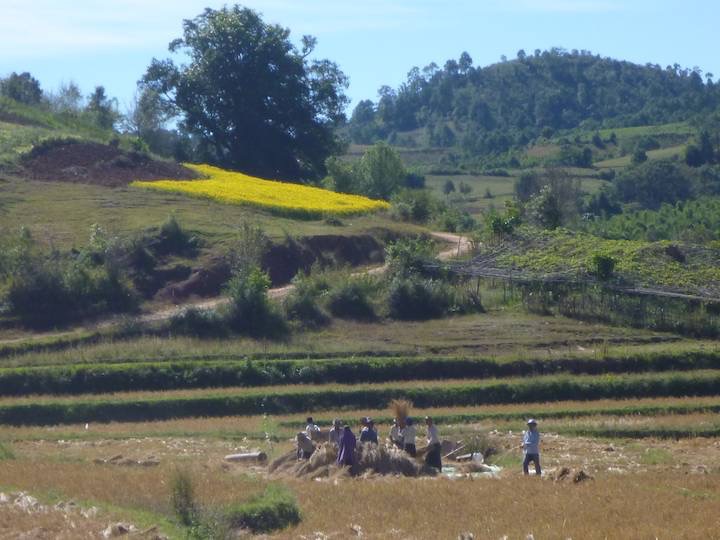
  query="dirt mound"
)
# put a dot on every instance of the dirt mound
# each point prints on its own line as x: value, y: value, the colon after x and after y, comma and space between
x: 98, y: 164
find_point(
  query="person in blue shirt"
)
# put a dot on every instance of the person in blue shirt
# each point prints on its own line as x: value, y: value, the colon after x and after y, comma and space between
x: 368, y: 433
x: 531, y: 447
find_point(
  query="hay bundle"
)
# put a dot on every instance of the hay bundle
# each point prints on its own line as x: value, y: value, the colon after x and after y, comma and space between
x: 400, y: 409
x: 371, y: 458
x: 283, y: 463
x: 322, y: 458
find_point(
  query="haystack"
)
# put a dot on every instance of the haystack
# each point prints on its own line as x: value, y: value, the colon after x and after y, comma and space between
x: 382, y: 459
x: 370, y: 459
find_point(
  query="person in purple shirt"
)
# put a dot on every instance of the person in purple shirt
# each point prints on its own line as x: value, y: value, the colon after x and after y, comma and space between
x: 346, y: 454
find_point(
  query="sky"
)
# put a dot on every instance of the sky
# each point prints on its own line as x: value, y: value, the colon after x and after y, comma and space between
x: 375, y: 42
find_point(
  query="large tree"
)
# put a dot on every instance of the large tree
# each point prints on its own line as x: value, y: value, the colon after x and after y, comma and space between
x: 256, y: 102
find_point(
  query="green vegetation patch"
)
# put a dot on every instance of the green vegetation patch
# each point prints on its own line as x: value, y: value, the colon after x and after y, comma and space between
x: 640, y: 262
x: 169, y: 375
x: 283, y: 400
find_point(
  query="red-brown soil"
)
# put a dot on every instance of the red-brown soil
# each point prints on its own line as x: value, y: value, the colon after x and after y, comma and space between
x: 98, y: 164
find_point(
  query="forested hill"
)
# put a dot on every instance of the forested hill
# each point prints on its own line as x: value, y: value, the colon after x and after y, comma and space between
x: 490, y: 109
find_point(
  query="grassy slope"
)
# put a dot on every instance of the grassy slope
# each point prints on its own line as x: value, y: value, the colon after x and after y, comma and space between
x: 62, y: 213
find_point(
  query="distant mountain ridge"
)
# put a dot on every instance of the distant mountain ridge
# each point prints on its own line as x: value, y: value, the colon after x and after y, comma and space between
x: 492, y: 109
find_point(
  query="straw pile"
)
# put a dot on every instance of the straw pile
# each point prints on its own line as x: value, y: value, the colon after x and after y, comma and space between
x: 369, y: 459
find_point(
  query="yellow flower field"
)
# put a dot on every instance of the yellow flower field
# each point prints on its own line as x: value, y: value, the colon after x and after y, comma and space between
x: 285, y: 198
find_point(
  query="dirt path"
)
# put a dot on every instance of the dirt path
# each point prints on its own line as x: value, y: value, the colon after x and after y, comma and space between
x: 460, y: 246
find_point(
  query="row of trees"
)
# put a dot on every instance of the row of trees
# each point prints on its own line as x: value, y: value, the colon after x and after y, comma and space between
x: 97, y: 106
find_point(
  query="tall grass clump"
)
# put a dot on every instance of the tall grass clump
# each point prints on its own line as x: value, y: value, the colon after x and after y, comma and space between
x: 182, y: 498
x: 173, y: 238
x: 6, y: 452
x: 274, y: 509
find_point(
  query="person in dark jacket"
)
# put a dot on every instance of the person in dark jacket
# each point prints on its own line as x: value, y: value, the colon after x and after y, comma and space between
x: 346, y: 455
x: 433, y: 457
x: 369, y: 433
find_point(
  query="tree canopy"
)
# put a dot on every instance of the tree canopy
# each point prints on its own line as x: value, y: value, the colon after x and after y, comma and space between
x: 255, y: 102
x: 492, y: 109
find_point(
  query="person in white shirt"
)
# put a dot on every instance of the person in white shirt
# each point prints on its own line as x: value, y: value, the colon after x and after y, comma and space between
x: 396, y: 436
x: 409, y: 435
x: 531, y: 447
x: 336, y: 433
x: 433, y: 457
x: 312, y: 430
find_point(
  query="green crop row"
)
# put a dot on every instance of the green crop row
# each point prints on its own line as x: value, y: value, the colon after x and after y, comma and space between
x: 288, y: 399
x: 536, y: 410
x: 165, y: 375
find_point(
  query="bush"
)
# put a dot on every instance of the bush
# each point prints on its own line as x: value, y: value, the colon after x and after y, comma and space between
x: 409, y: 256
x: 250, y: 311
x: 302, y: 306
x: 174, y: 239
x: 182, y: 498
x: 199, y: 323
x: 350, y: 300
x: 415, y: 299
x: 603, y: 266
x: 418, y: 206
x: 275, y: 509
x: 453, y: 220
x: 54, y: 292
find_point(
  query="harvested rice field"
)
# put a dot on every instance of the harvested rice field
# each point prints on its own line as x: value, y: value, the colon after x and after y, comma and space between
x: 637, y: 439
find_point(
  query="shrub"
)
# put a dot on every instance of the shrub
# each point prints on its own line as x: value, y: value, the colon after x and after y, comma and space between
x: 414, y: 299
x: 250, y: 311
x: 275, y: 509
x: 409, y: 255
x: 55, y: 292
x: 350, y: 300
x: 197, y: 323
x: 603, y: 266
x: 453, y: 220
x: 174, y: 239
x: 182, y: 498
x: 302, y: 305
x: 409, y: 205
x: 248, y: 246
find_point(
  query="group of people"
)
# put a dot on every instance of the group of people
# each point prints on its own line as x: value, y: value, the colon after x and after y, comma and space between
x: 403, y: 435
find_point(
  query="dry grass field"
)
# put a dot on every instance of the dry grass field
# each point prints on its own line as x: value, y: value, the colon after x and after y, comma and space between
x: 640, y: 489
x: 651, y: 478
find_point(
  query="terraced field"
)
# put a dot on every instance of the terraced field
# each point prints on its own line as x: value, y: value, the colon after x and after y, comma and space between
x: 611, y: 401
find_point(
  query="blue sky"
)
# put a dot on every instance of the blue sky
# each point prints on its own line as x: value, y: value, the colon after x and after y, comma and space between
x: 375, y: 42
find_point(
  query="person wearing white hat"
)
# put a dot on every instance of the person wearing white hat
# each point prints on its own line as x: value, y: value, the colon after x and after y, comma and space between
x: 531, y: 447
